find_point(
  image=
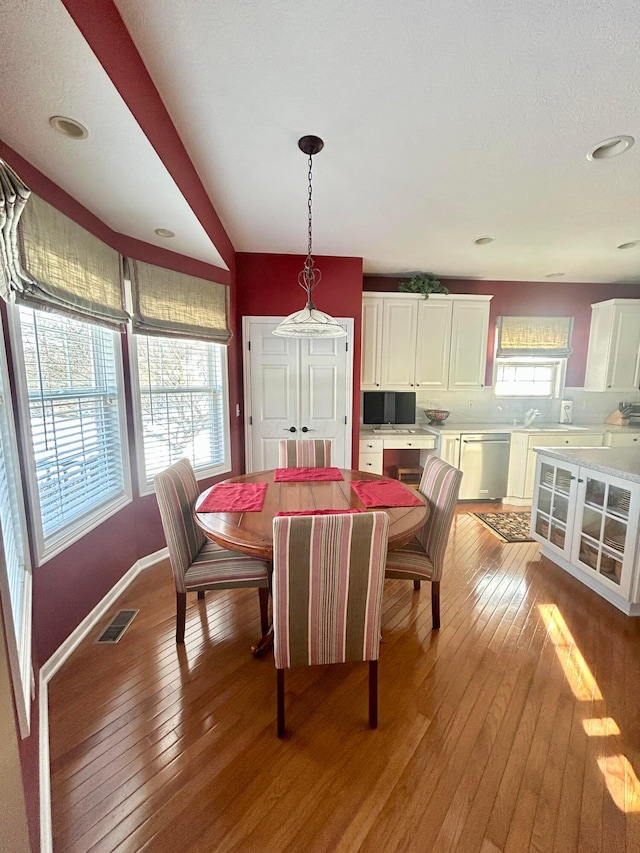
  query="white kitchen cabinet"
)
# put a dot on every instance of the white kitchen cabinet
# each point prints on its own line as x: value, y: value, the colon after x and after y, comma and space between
x: 522, y: 460
x: 398, y: 352
x: 587, y: 522
x: 621, y: 439
x: 371, y: 343
x: 450, y: 449
x: 613, y: 358
x: 372, y: 449
x: 469, y: 331
x: 412, y: 343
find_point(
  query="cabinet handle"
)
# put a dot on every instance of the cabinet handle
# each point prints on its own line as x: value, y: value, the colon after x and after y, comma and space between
x: 580, y: 480
x: 409, y: 444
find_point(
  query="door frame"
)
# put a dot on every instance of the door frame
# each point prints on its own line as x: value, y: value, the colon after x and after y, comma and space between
x: 246, y: 377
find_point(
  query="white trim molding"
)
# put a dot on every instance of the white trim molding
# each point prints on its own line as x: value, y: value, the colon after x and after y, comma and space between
x: 53, y: 664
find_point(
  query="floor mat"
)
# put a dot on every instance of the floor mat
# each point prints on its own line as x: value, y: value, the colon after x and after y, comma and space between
x: 507, y: 526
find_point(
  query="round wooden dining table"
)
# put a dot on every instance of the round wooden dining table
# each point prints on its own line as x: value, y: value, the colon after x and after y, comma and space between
x: 252, y: 532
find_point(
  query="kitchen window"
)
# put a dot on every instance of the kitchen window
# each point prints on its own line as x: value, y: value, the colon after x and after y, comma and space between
x: 531, y: 356
x: 182, y: 410
x: 71, y: 397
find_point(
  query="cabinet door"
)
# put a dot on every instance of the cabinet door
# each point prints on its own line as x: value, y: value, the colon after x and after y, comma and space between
x: 617, y: 439
x: 469, y: 331
x: 398, y: 355
x: 614, y: 346
x: 371, y: 343
x: 450, y: 449
x: 433, y: 343
x: 625, y: 348
x: 606, y: 529
x: 554, y: 505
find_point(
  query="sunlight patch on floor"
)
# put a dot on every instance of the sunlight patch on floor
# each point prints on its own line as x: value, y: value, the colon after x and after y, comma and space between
x: 621, y: 781
x: 577, y: 673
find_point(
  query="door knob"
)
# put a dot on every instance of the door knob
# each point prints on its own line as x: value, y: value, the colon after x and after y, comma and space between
x: 305, y: 429
x: 290, y: 429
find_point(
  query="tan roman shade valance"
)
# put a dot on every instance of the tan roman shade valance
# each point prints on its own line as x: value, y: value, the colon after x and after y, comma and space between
x: 67, y: 268
x: 534, y: 337
x: 171, y: 303
x: 13, y: 197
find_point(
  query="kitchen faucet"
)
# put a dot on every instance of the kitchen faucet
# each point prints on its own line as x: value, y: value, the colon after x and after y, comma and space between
x: 530, y: 417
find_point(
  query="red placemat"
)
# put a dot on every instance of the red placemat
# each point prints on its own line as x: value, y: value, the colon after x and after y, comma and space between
x: 291, y: 475
x: 384, y: 493
x: 319, y: 512
x: 234, y: 497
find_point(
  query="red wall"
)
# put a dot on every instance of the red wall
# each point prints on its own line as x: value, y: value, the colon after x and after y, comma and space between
x: 267, y: 285
x: 542, y: 299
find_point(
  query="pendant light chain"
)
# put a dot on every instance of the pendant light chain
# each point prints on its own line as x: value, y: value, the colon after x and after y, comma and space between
x: 310, y: 322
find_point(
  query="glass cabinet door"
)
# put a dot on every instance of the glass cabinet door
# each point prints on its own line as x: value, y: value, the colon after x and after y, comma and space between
x: 602, y: 528
x: 552, y: 509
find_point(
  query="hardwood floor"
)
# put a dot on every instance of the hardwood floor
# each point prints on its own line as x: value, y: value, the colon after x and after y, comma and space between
x: 515, y: 727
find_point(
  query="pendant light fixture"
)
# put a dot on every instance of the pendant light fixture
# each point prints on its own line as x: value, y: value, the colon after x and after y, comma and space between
x: 310, y: 322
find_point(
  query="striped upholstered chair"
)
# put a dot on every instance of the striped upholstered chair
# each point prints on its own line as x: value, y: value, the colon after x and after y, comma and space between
x: 423, y: 557
x: 199, y: 564
x: 328, y: 574
x: 305, y: 453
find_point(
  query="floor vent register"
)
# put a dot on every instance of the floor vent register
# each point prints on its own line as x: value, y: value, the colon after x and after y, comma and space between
x: 116, y: 628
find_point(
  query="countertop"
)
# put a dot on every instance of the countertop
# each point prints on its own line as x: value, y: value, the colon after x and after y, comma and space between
x: 623, y: 462
x: 537, y: 426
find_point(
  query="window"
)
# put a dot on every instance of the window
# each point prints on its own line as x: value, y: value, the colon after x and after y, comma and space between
x: 182, y: 405
x: 71, y: 390
x: 527, y: 378
x: 15, y: 571
x: 531, y: 356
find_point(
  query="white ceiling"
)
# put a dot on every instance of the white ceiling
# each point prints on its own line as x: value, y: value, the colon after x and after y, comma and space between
x: 442, y: 122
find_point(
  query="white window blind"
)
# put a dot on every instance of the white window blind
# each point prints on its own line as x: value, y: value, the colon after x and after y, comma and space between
x: 15, y: 573
x: 183, y: 404
x: 72, y: 378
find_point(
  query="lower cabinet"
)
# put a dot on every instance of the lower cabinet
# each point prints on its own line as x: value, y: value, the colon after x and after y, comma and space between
x: 372, y: 449
x: 522, y: 459
x: 587, y: 522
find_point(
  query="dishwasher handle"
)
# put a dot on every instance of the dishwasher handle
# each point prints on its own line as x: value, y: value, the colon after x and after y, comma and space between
x: 486, y: 441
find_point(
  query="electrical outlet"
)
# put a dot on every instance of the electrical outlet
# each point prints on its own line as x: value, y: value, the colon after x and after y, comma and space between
x: 237, y: 410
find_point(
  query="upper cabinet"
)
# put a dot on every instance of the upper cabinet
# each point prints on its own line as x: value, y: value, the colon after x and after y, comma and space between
x: 412, y: 343
x: 614, y: 346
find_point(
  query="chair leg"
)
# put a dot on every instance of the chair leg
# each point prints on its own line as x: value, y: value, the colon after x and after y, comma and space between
x: 373, y: 694
x: 263, y: 593
x: 416, y: 584
x: 181, y: 615
x: 201, y: 594
x: 280, y: 691
x: 435, y: 604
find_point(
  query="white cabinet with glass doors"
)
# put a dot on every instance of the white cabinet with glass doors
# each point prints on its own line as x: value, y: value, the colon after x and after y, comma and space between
x: 587, y: 522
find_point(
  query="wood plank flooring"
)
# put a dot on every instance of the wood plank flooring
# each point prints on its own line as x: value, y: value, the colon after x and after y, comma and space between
x: 516, y: 727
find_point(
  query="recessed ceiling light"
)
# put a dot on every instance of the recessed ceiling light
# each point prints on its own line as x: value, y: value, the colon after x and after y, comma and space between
x: 554, y: 275
x: 611, y: 148
x: 633, y: 244
x: 164, y: 232
x: 68, y: 127
x: 482, y: 241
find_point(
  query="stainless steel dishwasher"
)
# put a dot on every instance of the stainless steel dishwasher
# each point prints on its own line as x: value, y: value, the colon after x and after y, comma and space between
x: 484, y: 461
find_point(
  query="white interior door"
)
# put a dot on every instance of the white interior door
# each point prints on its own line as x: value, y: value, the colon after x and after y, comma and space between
x: 295, y: 388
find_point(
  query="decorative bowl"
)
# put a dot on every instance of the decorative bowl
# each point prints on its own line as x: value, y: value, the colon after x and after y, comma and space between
x: 436, y: 416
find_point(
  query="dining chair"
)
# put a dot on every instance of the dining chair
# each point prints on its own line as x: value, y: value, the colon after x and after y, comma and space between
x: 422, y: 558
x: 305, y: 453
x: 199, y: 564
x: 328, y: 574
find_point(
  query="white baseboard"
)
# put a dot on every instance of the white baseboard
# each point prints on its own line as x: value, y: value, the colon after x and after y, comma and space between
x: 50, y: 668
